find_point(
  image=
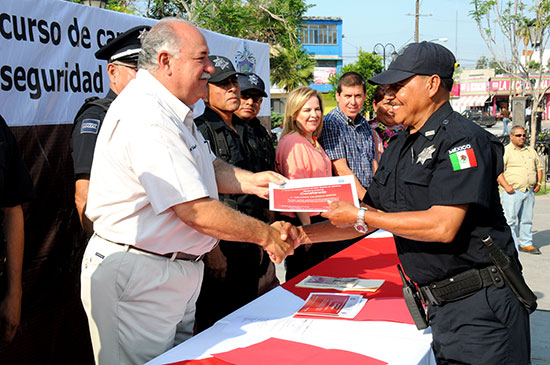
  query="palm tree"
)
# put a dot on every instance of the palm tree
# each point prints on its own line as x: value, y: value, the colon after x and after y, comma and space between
x: 291, y: 67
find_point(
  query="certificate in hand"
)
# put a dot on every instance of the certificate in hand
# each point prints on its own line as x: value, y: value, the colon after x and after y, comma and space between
x: 311, y: 195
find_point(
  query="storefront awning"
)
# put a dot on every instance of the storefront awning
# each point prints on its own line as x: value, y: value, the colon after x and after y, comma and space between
x: 466, y: 102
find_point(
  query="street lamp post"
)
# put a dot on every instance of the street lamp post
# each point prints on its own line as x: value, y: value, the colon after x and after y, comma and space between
x: 380, y: 49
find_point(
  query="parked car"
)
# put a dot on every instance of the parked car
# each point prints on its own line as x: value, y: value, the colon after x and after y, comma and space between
x: 482, y: 119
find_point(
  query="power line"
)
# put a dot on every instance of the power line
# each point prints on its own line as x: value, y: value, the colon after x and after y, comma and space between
x: 417, y: 16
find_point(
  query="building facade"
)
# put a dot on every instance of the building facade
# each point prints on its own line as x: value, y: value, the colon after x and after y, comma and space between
x: 322, y: 37
x: 481, y: 89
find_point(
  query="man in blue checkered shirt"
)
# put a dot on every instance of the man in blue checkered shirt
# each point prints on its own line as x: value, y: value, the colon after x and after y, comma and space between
x: 347, y: 136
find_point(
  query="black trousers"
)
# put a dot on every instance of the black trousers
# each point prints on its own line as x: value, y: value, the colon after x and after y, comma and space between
x: 489, y: 327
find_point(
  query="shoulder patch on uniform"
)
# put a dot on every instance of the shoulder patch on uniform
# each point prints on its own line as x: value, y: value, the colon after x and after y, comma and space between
x: 462, y: 157
x: 90, y: 126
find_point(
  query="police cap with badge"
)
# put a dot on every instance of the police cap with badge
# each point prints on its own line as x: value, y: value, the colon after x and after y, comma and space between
x: 223, y: 69
x: 251, y: 81
x: 424, y: 58
x: 124, y: 48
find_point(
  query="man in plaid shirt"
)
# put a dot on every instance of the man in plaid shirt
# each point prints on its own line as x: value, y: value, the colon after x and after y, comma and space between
x: 347, y: 137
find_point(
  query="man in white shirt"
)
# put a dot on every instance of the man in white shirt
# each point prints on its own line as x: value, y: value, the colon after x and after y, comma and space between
x: 153, y: 201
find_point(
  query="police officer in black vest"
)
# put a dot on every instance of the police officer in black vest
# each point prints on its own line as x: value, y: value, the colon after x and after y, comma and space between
x: 252, y: 94
x: 436, y: 191
x: 232, y: 269
x: 122, y: 54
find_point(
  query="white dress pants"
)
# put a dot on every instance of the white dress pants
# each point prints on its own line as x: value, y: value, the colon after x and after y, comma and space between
x: 138, y: 304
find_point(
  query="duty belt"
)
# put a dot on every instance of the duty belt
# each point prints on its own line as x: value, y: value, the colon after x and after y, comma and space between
x: 461, y: 285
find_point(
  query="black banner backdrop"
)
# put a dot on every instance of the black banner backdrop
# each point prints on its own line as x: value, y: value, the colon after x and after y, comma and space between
x: 54, y: 328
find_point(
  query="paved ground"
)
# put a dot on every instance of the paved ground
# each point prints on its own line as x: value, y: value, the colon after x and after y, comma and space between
x: 536, y: 269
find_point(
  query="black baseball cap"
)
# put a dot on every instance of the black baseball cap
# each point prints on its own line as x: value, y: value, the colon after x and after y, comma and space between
x: 424, y: 58
x: 223, y: 68
x: 251, y: 81
x: 125, y: 47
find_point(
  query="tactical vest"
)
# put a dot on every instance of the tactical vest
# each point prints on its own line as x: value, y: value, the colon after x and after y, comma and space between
x: 103, y: 103
x: 220, y: 147
x: 218, y: 144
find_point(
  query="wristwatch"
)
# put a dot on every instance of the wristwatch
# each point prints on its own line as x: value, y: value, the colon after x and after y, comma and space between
x: 360, y: 225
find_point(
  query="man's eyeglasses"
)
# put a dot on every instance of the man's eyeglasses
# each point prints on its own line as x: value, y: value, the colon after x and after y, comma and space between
x: 131, y: 67
x: 519, y: 135
x: 255, y: 98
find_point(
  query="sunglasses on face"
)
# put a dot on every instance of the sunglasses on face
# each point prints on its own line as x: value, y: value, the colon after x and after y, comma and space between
x: 519, y: 135
x: 255, y: 98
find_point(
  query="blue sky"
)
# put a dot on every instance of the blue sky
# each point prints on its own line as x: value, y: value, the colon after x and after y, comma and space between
x: 367, y: 22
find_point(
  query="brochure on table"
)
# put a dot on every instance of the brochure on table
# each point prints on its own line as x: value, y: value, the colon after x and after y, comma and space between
x: 332, y: 305
x: 342, y: 284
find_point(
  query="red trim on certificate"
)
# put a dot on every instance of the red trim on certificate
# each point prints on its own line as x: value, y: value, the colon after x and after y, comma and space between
x: 309, y: 198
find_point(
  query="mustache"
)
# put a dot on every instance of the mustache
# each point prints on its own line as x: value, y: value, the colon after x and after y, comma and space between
x: 205, y: 76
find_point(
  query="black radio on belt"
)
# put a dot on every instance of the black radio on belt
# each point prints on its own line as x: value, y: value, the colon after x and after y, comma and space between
x: 413, y: 301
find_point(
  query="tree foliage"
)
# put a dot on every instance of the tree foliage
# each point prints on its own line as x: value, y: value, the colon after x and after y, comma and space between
x: 482, y: 62
x: 496, y: 66
x: 367, y: 65
x: 275, y: 22
x: 291, y: 67
x: 122, y: 6
x: 518, y: 26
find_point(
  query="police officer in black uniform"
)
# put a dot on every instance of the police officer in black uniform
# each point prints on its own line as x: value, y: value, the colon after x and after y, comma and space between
x: 252, y: 94
x: 436, y: 191
x: 232, y: 269
x: 122, y: 54
x: 16, y: 187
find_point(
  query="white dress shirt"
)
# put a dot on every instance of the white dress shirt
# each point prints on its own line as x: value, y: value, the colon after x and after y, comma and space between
x: 148, y: 158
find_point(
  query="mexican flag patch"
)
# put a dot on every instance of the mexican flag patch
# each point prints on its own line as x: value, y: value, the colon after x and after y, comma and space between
x: 463, y: 157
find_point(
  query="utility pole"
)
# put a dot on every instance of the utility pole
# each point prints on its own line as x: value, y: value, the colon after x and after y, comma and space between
x: 417, y: 16
x: 456, y: 33
x: 416, y: 20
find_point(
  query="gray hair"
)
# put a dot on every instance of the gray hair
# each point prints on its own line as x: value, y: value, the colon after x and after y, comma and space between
x: 161, y: 37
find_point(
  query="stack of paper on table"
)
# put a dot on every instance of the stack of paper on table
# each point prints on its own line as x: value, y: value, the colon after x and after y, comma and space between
x: 332, y: 305
x: 342, y: 284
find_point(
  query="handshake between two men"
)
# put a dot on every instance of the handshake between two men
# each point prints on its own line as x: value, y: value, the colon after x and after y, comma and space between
x: 342, y: 218
x: 282, y: 238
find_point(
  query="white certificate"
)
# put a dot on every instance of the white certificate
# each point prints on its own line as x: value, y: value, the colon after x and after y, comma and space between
x: 312, y: 195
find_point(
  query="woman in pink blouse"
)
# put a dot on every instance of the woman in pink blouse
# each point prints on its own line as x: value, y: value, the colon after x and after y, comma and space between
x: 299, y: 155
